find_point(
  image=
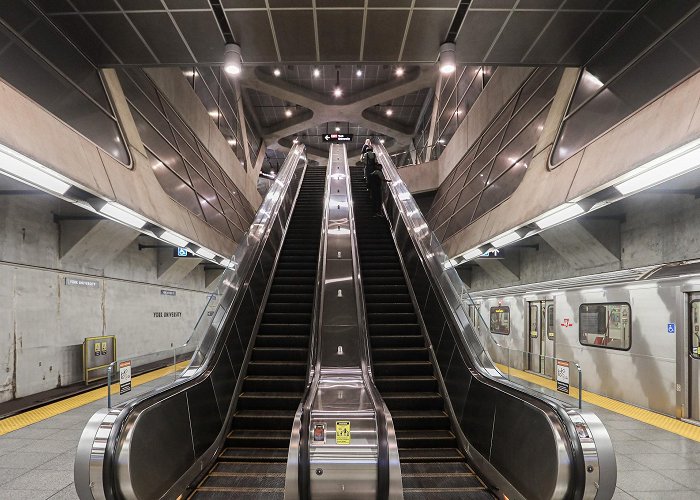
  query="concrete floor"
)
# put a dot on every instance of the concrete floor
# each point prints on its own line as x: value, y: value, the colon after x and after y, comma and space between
x: 36, y: 462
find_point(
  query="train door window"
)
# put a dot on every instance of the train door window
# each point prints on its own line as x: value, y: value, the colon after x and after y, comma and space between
x: 500, y: 320
x: 533, y: 321
x: 605, y: 325
x: 695, y: 328
x: 550, y: 321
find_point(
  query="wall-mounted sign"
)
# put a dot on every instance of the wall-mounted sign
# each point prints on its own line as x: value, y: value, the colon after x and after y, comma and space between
x: 172, y: 293
x: 181, y: 252
x: 671, y: 328
x: 491, y: 253
x: 567, y: 323
x: 81, y: 282
x: 124, y: 377
x: 98, y: 353
x: 338, y: 137
x: 319, y: 434
x: 563, y: 376
x: 342, y: 432
x: 167, y: 314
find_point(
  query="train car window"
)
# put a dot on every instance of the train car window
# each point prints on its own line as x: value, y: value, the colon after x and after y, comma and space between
x: 695, y: 328
x: 533, y: 321
x: 500, y: 320
x: 606, y: 325
x: 550, y: 322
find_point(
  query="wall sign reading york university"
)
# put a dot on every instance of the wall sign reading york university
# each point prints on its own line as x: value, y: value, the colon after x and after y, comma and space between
x: 81, y: 282
x: 166, y: 314
x: 172, y: 293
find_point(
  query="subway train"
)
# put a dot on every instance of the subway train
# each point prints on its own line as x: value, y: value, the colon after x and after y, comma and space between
x: 635, y: 333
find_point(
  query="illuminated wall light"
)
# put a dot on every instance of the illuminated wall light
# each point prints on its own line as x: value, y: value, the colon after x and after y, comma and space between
x: 561, y: 214
x: 296, y: 141
x: 24, y: 169
x: 214, y: 114
x: 173, y: 238
x: 399, y: 71
x: 231, y: 142
x: 277, y: 72
x: 507, y: 239
x: 381, y: 141
x: 233, y: 63
x: 122, y: 214
x: 205, y: 253
x: 389, y: 112
x: 665, y: 167
x: 190, y: 73
x: 441, y: 141
x: 448, y: 58
x: 287, y: 113
x: 317, y: 72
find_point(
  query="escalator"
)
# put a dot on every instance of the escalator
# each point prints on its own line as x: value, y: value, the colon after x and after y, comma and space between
x: 253, y: 461
x: 432, y: 464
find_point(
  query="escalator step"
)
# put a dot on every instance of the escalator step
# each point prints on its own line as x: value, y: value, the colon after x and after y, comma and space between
x: 394, y: 328
x: 285, y: 329
x: 266, y: 438
x: 236, y: 481
x: 413, y: 400
x: 269, y: 400
x: 287, y: 368
x: 239, y: 494
x: 263, y: 419
x: 418, y: 468
x: 400, y: 354
x: 413, y: 383
x: 448, y: 481
x: 274, y: 384
x: 255, y: 454
x: 432, y: 454
x: 287, y: 317
x: 414, y: 420
x: 426, y: 438
x: 405, y: 368
x: 392, y: 317
x: 396, y: 341
x: 279, y: 354
x: 282, y: 341
x: 249, y: 468
x: 447, y: 494
x: 389, y: 307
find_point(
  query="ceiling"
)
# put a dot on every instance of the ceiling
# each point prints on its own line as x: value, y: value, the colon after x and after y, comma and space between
x: 313, y: 137
x: 337, y: 38
x: 151, y: 32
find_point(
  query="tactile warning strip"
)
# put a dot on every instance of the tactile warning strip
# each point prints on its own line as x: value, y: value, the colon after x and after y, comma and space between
x: 30, y: 417
x: 669, y: 424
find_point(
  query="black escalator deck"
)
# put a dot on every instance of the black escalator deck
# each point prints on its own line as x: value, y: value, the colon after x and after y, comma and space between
x: 253, y: 463
x: 432, y: 465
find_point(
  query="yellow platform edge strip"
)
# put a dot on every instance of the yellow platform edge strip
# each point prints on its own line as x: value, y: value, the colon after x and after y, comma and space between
x: 30, y: 417
x: 664, y: 422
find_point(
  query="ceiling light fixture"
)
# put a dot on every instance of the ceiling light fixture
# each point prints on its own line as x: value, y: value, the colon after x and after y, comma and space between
x: 665, y: 167
x: 389, y: 112
x: 233, y: 64
x: 337, y: 91
x: 296, y: 141
x: 277, y: 72
x: 337, y: 129
x: 214, y: 114
x: 288, y: 112
x: 358, y: 73
x: 508, y: 238
x: 24, y: 169
x: 205, y: 253
x: 381, y: 141
x: 399, y: 71
x: 560, y: 214
x: 317, y: 72
x: 173, y: 238
x: 122, y: 214
x: 448, y: 58
x: 231, y: 142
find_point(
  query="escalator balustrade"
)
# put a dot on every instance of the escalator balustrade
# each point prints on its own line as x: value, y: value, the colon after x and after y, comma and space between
x: 252, y: 464
x: 432, y: 465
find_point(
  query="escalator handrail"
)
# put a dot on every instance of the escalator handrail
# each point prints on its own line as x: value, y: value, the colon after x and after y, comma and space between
x: 263, y: 224
x: 488, y: 374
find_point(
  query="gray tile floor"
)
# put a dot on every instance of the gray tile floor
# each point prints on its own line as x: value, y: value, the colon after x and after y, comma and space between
x: 36, y: 462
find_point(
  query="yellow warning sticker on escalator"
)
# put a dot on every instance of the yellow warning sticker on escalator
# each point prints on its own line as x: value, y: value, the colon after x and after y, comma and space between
x: 342, y: 432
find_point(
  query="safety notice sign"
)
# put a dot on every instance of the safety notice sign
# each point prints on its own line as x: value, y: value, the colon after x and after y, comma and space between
x: 342, y: 432
x: 563, y: 376
x: 124, y: 377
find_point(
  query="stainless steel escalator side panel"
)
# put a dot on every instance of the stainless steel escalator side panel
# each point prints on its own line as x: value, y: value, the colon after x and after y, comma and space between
x: 341, y: 388
x: 579, y: 448
x: 110, y: 462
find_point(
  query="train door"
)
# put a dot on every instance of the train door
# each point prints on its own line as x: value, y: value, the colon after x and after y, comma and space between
x: 540, y: 341
x: 694, y: 356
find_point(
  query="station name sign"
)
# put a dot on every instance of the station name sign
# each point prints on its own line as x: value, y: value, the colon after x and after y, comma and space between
x: 337, y: 137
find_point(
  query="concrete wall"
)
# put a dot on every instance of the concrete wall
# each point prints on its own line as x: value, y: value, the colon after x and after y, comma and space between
x: 43, y: 320
x: 670, y: 121
x: 658, y: 228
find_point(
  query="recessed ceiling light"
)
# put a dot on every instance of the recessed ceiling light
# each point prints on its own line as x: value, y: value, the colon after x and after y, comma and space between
x: 277, y: 72
x: 338, y: 92
x: 381, y: 141
x: 288, y: 112
x: 358, y: 73
x: 448, y: 60
x: 317, y: 72
x: 337, y: 129
x: 389, y: 112
x: 295, y: 141
x: 399, y: 71
x: 214, y: 114
x: 231, y: 142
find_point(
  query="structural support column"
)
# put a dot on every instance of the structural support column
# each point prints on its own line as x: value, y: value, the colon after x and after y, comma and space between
x: 93, y: 244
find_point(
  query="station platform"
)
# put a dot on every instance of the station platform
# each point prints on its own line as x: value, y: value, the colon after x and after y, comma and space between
x: 656, y: 455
